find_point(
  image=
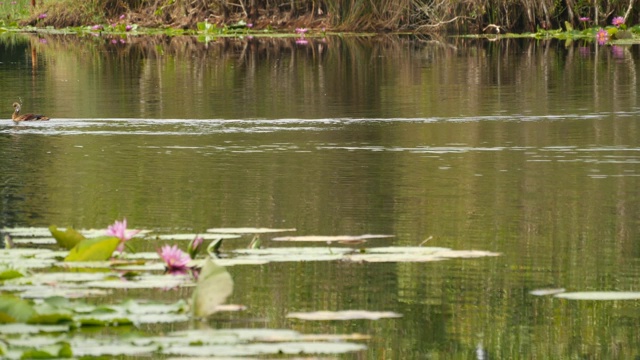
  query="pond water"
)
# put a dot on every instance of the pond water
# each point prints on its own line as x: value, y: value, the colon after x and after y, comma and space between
x: 528, y: 148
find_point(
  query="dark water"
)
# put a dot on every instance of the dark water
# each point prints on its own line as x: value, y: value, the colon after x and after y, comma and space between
x: 527, y: 148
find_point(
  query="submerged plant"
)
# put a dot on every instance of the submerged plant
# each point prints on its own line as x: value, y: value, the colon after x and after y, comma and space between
x: 119, y: 230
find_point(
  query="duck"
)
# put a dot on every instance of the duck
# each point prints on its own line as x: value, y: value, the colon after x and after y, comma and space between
x: 25, y: 117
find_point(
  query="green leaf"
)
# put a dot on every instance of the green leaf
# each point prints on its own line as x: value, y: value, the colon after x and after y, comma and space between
x: 14, y: 309
x: 214, y: 286
x: 568, y: 26
x: 56, y: 351
x: 96, y: 249
x: 67, y: 239
x: 10, y: 274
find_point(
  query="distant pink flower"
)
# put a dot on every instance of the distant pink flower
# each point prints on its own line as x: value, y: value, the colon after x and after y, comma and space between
x: 114, y: 41
x: 301, y: 41
x: 42, y: 16
x: 96, y: 27
x: 584, y: 19
x: 122, y: 41
x: 174, y: 258
x: 602, y: 36
x: 250, y: 25
x: 42, y: 40
x: 301, y: 31
x: 617, y: 21
x: 128, y: 28
x: 122, y: 17
x: 119, y: 230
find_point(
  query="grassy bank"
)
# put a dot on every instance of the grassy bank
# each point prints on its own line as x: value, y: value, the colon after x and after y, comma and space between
x: 470, y: 16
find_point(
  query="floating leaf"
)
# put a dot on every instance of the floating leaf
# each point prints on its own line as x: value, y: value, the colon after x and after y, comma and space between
x: 96, y: 249
x: 344, y: 315
x: 67, y: 239
x: 600, y: 295
x: 246, y: 230
x: 544, y: 292
x: 213, y: 288
x: 60, y: 350
x: 22, y: 328
x: 415, y: 254
x: 192, y: 236
x: 14, y: 309
x: 329, y: 239
x: 9, y: 274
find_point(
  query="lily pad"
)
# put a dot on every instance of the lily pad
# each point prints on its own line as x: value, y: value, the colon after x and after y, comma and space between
x: 22, y: 328
x: 344, y: 315
x: 415, y: 254
x: 329, y: 239
x: 192, y: 236
x: 544, y: 292
x: 247, y: 230
x: 600, y: 295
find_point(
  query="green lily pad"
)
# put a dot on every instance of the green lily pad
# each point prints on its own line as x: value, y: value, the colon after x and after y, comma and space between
x: 213, y: 287
x: 67, y: 239
x: 22, y: 328
x: 56, y: 351
x: 600, y: 295
x: 96, y: 249
x: 14, y: 309
x: 343, y: 315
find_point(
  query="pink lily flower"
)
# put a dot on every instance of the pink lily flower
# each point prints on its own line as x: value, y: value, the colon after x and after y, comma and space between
x: 119, y: 230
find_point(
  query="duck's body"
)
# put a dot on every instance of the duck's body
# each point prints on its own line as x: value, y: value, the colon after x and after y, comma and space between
x: 25, y: 117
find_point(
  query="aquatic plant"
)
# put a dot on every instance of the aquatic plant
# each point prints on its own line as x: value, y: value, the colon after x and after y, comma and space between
x: 119, y: 230
x: 602, y: 36
x: 194, y: 246
x: 617, y: 21
x: 174, y: 258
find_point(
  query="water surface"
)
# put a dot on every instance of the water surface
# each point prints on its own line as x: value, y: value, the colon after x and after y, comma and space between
x: 527, y: 148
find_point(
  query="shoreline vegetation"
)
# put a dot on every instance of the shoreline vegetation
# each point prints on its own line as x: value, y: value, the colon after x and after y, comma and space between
x: 563, y: 19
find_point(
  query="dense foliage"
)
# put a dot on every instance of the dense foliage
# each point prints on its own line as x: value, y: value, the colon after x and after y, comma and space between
x: 467, y: 16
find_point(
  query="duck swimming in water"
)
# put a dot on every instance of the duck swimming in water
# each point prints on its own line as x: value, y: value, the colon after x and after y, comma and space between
x: 26, y: 117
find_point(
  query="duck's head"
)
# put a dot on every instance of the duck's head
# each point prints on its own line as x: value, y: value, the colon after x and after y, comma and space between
x: 16, y: 107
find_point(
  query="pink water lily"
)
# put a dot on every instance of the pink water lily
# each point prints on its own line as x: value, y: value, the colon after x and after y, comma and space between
x: 617, y: 21
x: 301, y: 31
x: 175, y: 259
x: 119, y: 230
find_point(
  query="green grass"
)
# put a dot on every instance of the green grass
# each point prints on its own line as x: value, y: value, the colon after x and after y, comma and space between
x: 14, y: 10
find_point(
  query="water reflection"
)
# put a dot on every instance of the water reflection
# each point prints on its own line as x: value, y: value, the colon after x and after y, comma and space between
x: 526, y: 148
x: 179, y: 77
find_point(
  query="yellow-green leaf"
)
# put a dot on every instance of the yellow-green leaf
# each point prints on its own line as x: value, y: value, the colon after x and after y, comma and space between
x: 66, y: 239
x: 96, y: 249
x: 213, y: 288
